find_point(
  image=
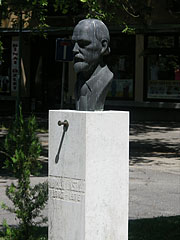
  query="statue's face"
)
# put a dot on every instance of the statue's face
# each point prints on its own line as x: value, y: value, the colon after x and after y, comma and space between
x: 87, y: 49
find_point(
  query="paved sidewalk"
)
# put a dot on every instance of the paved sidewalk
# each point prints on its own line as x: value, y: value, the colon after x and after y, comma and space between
x: 154, y: 171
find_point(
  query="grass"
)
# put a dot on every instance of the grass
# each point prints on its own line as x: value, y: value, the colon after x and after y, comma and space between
x: 38, y: 233
x: 161, y: 228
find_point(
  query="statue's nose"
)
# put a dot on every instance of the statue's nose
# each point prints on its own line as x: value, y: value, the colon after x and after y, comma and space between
x: 76, y: 48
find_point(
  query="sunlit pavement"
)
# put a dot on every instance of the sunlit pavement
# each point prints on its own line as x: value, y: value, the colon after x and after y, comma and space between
x: 154, y: 187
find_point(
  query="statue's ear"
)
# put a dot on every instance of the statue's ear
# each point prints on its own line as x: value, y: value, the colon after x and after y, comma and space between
x: 105, y: 49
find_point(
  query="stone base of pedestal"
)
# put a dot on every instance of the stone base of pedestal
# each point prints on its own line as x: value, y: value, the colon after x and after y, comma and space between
x: 88, y: 175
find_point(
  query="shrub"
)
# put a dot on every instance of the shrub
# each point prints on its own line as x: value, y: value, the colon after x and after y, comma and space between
x: 22, y: 148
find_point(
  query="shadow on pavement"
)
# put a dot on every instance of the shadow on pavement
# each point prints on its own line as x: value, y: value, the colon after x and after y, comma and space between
x: 153, y: 140
x: 141, y: 150
x: 161, y: 228
x: 137, y: 128
x: 44, y: 163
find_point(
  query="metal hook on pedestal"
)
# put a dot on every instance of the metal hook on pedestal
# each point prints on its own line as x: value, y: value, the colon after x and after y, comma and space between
x: 65, y: 124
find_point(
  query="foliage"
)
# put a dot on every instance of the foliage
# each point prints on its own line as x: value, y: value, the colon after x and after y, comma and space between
x: 35, y: 10
x: 22, y: 149
x: 27, y: 9
x: 38, y: 233
x: 67, y: 7
x: 115, y: 11
x: 119, y: 11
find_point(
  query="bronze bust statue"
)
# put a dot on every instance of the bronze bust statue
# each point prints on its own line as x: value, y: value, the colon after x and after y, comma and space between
x: 91, y: 43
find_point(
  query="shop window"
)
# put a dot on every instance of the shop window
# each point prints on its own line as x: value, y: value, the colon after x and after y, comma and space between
x: 122, y: 84
x: 160, y: 41
x: 163, y: 72
x: 122, y: 43
x: 121, y: 63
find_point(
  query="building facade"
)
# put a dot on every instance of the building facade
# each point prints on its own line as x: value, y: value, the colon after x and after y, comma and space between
x: 146, y: 66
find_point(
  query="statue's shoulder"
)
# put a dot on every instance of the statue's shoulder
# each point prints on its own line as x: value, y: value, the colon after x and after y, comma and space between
x: 108, y: 72
x: 107, y: 75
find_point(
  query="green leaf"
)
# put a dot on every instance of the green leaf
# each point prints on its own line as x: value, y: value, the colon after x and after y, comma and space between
x: 14, y: 159
x: 3, y: 205
x: 12, y: 188
x: 64, y: 11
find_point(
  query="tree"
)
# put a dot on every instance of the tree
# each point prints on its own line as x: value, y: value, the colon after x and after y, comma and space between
x: 121, y: 12
x: 20, y: 13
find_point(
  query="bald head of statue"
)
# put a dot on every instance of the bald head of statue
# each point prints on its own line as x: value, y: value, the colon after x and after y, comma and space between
x: 91, y: 43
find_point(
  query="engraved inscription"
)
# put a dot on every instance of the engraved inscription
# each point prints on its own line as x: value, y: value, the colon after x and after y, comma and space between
x: 65, y: 195
x: 66, y: 189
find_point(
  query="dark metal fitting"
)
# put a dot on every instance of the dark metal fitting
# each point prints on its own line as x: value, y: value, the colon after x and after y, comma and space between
x: 65, y: 124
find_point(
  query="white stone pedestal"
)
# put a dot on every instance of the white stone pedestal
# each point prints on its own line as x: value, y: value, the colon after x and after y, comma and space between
x: 88, y: 175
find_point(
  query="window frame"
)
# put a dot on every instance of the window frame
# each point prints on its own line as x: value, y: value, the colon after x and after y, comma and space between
x: 175, y: 50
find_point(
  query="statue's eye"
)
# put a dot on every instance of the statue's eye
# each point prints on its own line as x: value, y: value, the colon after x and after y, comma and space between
x: 83, y: 43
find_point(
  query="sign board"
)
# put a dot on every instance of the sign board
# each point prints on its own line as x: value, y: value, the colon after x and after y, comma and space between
x: 64, y: 49
x: 14, y: 64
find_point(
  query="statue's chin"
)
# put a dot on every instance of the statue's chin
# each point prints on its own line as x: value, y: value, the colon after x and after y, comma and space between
x: 80, y: 67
